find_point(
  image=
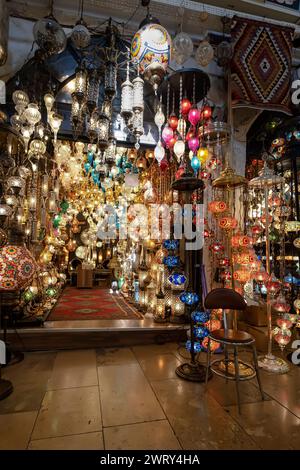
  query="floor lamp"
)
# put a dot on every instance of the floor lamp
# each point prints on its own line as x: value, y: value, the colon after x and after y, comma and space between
x: 266, y: 180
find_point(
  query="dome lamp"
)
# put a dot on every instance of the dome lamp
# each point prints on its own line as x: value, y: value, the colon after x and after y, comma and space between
x: 150, y: 49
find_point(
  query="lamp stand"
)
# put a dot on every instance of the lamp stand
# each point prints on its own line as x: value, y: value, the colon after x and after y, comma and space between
x: 269, y: 362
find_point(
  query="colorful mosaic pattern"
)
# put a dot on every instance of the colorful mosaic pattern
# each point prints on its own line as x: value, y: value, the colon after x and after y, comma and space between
x: 17, y: 267
x: 261, y: 65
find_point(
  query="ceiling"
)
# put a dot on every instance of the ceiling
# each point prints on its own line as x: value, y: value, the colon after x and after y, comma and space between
x: 129, y: 13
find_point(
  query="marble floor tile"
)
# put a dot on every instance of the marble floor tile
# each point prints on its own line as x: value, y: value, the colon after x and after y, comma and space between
x: 197, y: 419
x: 74, y: 369
x: 149, y: 350
x: 271, y: 425
x: 90, y: 441
x: 118, y: 356
x: 16, y: 429
x: 155, y: 435
x: 68, y: 411
x: 160, y: 366
x: 284, y: 388
x: 225, y: 393
x: 126, y: 396
x: 29, y: 378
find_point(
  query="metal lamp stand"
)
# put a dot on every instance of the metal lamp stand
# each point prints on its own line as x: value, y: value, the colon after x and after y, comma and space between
x: 269, y: 362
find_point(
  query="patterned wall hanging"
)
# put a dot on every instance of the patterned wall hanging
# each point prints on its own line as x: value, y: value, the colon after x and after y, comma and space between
x: 261, y: 65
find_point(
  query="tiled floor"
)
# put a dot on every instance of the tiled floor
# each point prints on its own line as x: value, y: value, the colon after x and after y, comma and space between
x: 131, y: 398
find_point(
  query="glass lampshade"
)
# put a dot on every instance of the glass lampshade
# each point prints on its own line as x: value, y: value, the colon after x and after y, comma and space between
x: 50, y: 36
x: 32, y: 114
x: 110, y: 79
x: 126, y: 99
x: 20, y: 99
x: 80, y: 36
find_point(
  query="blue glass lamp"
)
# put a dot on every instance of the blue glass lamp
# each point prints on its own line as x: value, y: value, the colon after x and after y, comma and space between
x: 189, y: 298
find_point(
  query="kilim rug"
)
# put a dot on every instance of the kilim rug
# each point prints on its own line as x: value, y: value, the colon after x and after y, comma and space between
x: 92, y: 304
x: 261, y: 65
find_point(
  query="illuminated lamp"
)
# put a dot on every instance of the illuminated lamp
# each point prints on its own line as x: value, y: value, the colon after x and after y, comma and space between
x: 177, y: 279
x: 206, y: 112
x: 217, y: 207
x: 280, y: 305
x: 167, y: 134
x: 193, y: 144
x: 256, y: 230
x: 242, y: 275
x: 214, y: 346
x: 244, y: 258
x: 201, y: 332
x: 224, y: 262
x: 204, y: 175
x: 216, y: 247
x: 173, y: 122
x: 195, y: 345
x: 225, y: 275
x: 179, y: 149
x: 179, y: 173
x: 172, y: 142
x: 241, y: 241
x: 195, y: 164
x: 260, y: 276
x: 171, y: 244
x: 150, y: 49
x: 194, y: 116
x: 190, y: 135
x: 160, y: 307
x: 203, y: 154
x: 189, y: 298
x: 185, y: 106
x: 200, y: 317
x: 17, y: 267
x: 228, y: 223
x: 284, y: 323
x: 160, y: 255
x: 171, y: 261
x: 213, y: 325
x: 273, y: 285
x: 282, y: 337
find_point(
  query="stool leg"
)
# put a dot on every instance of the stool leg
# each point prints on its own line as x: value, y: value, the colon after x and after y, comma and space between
x: 207, y: 361
x: 257, y: 371
x: 237, y: 377
x: 226, y: 361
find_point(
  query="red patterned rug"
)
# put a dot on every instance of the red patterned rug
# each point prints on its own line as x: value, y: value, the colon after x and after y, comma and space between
x: 92, y: 304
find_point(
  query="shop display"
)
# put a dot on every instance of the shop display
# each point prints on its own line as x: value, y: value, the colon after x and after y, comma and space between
x: 101, y: 171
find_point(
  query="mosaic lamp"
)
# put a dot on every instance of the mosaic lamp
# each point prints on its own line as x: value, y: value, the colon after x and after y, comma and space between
x: 17, y: 267
x: 150, y: 49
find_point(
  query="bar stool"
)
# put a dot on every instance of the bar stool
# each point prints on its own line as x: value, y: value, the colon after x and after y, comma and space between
x: 228, y: 299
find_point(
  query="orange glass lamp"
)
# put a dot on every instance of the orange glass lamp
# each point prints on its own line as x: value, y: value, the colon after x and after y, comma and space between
x: 217, y: 207
x: 240, y: 240
x: 242, y: 275
x: 228, y: 223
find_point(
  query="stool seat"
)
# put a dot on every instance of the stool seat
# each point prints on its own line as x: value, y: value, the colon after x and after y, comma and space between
x: 231, y: 336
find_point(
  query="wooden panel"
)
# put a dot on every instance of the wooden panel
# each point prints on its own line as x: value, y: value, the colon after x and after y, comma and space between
x: 49, y: 340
